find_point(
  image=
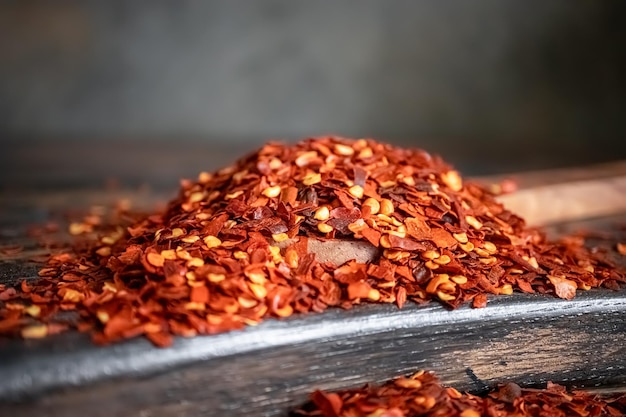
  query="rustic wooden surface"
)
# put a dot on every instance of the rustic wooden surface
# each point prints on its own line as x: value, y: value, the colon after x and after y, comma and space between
x: 269, y: 369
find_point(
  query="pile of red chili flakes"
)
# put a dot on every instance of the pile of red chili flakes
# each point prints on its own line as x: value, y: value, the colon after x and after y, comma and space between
x: 423, y: 396
x: 234, y: 248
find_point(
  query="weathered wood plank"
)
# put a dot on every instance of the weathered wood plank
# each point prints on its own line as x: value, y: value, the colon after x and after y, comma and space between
x: 270, y: 368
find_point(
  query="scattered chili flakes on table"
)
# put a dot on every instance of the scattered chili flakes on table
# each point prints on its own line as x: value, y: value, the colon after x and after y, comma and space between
x: 422, y: 395
x: 239, y: 245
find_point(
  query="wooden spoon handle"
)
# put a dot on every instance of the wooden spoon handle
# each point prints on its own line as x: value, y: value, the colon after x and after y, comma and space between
x: 557, y: 196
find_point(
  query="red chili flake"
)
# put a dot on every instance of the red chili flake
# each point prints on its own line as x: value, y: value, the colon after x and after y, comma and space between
x: 423, y: 395
x: 564, y: 288
x: 479, y: 301
x: 372, y: 236
x: 400, y: 297
x: 255, y: 240
x: 341, y: 218
x: 160, y: 339
x: 405, y: 244
x: 329, y: 403
x: 199, y: 294
x: 418, y: 228
x: 358, y: 290
x: 442, y: 238
x: 525, y: 286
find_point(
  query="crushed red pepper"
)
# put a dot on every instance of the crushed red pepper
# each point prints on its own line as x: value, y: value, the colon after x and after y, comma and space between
x: 422, y: 395
x: 234, y: 248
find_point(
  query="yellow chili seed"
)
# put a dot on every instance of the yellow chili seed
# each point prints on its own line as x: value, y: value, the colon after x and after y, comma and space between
x: 103, y: 316
x: 215, y: 278
x: 33, y: 310
x: 108, y: 240
x: 386, y: 206
x: 195, y: 306
x: 490, y: 247
x: 506, y: 289
x: 306, y: 158
x: 343, y: 150
x: 177, y: 232
x: 204, y: 177
x: 183, y: 254
x: 195, y: 262
x: 460, y: 237
x: 256, y: 276
x: 280, y: 237
x: 473, y: 221
x: 196, y: 197
x: 292, y: 259
x: 467, y: 247
x: 410, y: 181
x: 434, y: 283
x: 488, y: 261
x: 36, y: 331
x: 239, y: 254
x: 271, y: 192
x: 247, y: 302
x: 285, y: 311
x: 234, y: 195
x: 408, y: 383
x: 312, y: 179
x: 453, y: 180
x: 104, y: 251
x: 357, y: 226
x: 356, y: 191
x: 155, y: 259
x: 430, y: 255
x: 324, y: 228
x: 275, y: 163
x: 366, y: 153
x: 373, y: 204
x: 459, y: 279
x: 322, y: 213
x: 169, y: 254
x: 397, y: 233
x: 258, y: 290
x: 431, y: 265
x: 445, y: 297
x: 212, y: 242
x: 373, y: 294
x: 442, y: 260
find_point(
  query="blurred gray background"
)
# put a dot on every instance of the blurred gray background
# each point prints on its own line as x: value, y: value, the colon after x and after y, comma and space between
x: 494, y: 85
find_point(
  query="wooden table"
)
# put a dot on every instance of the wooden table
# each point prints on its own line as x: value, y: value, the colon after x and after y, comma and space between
x: 270, y: 368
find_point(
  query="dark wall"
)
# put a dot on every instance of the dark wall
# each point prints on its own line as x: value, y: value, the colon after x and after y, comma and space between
x: 449, y: 72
